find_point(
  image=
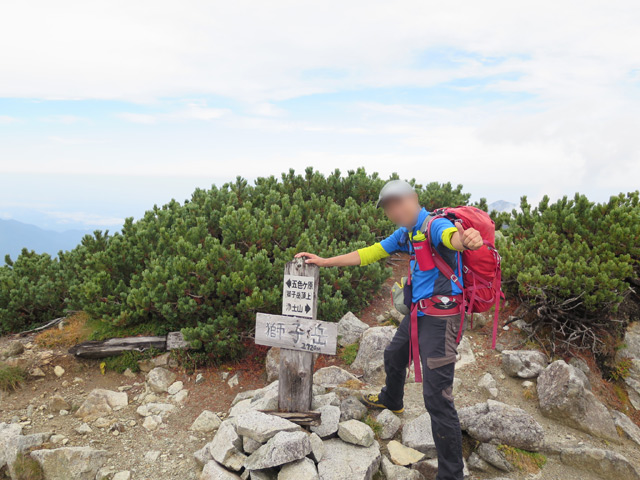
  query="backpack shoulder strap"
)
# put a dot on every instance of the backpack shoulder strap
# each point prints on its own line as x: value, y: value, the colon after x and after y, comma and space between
x: 440, y: 263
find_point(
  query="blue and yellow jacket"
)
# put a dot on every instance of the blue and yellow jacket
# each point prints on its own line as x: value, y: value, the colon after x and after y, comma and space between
x: 428, y: 282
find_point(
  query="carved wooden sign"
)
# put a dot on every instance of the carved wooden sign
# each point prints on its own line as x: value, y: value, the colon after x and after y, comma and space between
x: 296, y: 333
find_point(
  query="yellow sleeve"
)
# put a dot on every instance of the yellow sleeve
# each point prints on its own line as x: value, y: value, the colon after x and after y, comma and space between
x: 446, y: 237
x: 372, y: 253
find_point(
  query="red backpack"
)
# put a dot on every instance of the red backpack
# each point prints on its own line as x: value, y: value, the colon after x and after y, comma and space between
x: 481, y: 272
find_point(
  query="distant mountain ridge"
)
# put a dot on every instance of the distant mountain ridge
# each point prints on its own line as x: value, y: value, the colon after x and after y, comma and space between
x: 15, y: 235
x: 502, y: 206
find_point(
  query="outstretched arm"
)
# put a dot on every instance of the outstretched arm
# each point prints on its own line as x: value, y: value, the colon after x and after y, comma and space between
x: 346, y: 260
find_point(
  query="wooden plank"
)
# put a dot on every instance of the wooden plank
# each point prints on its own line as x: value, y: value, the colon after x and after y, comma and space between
x: 116, y: 346
x: 296, y: 367
x: 296, y: 333
x: 311, y: 419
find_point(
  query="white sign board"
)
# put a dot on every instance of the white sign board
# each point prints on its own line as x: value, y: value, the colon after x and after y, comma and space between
x: 297, y: 296
x: 296, y: 333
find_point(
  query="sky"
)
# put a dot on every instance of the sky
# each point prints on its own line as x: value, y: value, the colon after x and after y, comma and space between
x: 107, y: 108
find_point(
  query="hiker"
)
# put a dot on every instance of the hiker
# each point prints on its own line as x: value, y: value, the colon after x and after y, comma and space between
x: 438, y: 316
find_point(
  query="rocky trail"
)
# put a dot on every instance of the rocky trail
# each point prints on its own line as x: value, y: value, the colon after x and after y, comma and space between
x: 161, y: 423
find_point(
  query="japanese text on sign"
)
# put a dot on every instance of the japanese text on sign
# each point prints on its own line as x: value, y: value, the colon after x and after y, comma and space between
x: 297, y: 296
x: 296, y: 333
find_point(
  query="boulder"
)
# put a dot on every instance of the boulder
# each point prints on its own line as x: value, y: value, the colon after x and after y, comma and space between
x: 267, y: 474
x: 402, y: 455
x: 429, y: 469
x: 226, y: 446
x: 477, y: 463
x: 465, y: 354
x: 389, y: 423
x: 160, y: 379
x: 298, y: 470
x: 13, y: 349
x: 12, y: 443
x: 329, y: 420
x: 631, y: 343
x: 397, y: 472
x: 495, y: 422
x: 79, y: 463
x: 333, y: 376
x: 564, y: 397
x: 262, y: 426
x: 325, y: 399
x: 202, y: 456
x: 631, y: 351
x: 490, y: 454
x: 100, y: 403
x: 352, y: 409
x: 175, y: 388
x: 57, y: 403
x: 155, y: 408
x: 152, y: 422
x: 214, y: 471
x: 317, y: 447
x: 345, y: 461
x: 606, y: 463
x: 624, y: 423
x: 370, y: 358
x: 262, y: 399
x: 272, y: 364
x: 488, y: 384
x: 633, y: 391
x: 83, y: 429
x: 249, y: 445
x: 350, y: 329
x: 523, y: 363
x: 417, y: 434
x: 356, y: 432
x: 206, y: 422
x: 284, y: 447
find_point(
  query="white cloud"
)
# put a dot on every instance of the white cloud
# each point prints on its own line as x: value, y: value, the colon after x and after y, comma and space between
x: 192, y: 111
x: 262, y: 51
x: 571, y: 67
x: 6, y: 120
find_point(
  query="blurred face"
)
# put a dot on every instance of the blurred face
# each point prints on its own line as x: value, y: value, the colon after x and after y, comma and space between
x: 402, y: 211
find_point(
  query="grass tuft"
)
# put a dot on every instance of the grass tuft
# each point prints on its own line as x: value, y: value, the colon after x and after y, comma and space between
x: 349, y: 353
x: 120, y: 363
x: 11, y: 377
x: 375, y: 426
x: 26, y: 468
x: 75, y: 329
x: 523, y: 460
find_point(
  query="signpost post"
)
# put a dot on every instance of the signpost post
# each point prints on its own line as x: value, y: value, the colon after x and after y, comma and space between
x: 299, y: 335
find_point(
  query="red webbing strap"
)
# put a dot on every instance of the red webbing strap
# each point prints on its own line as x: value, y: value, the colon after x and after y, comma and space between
x: 497, y: 310
x: 414, y: 348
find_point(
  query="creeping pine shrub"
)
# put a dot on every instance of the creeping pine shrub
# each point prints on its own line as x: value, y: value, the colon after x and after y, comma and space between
x: 207, y: 265
x: 573, y: 264
x: 32, y: 291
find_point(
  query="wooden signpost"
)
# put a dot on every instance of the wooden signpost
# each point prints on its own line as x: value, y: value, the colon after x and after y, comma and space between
x: 299, y: 335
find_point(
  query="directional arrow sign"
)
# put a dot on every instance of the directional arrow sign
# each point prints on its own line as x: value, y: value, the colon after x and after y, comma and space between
x: 297, y: 296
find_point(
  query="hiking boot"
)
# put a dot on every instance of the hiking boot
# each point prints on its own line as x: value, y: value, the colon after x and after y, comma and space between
x: 372, y: 400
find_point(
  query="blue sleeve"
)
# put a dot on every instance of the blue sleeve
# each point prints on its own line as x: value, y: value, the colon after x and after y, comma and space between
x: 395, y: 242
x: 438, y: 226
